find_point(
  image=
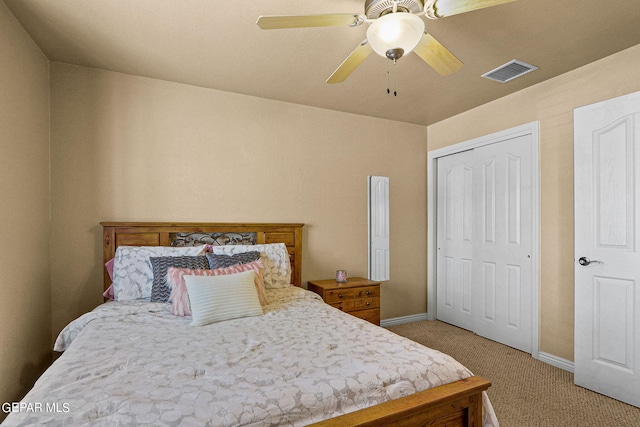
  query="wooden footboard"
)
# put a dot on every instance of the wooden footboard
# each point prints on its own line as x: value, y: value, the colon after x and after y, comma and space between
x: 457, y: 404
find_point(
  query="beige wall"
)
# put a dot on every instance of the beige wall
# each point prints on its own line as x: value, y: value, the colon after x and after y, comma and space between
x: 133, y: 148
x: 552, y: 103
x: 25, y: 293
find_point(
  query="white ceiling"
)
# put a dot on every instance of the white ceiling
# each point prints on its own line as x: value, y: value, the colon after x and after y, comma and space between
x: 216, y: 44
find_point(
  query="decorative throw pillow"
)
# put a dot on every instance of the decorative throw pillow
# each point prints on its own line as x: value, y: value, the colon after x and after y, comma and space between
x: 274, y: 256
x: 132, y: 273
x: 108, y: 294
x: 220, y: 298
x: 109, y: 266
x: 180, y: 305
x: 219, y: 261
x: 161, y: 290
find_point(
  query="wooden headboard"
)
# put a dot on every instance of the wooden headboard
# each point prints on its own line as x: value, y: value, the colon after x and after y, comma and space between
x: 165, y: 233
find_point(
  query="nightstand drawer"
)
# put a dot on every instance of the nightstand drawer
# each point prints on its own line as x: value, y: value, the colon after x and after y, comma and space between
x: 345, y: 305
x: 366, y: 303
x: 337, y: 295
x: 367, y: 292
x: 372, y: 316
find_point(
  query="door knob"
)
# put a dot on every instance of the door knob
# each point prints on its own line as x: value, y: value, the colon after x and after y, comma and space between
x: 584, y: 261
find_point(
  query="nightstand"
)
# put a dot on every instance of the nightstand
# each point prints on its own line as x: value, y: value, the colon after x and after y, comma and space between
x: 358, y: 297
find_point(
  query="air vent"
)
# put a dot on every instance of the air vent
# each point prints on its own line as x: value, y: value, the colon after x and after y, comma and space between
x: 509, y: 71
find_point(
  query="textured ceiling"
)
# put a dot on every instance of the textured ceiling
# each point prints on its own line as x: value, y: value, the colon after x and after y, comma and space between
x: 216, y: 44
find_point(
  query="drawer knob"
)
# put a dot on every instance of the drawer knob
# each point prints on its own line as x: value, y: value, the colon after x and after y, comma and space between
x: 368, y: 293
x: 368, y: 304
x: 340, y: 307
x: 339, y: 295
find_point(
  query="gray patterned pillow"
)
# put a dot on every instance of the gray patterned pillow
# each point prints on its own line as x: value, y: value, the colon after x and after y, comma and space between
x: 221, y: 261
x: 161, y: 290
x: 274, y: 256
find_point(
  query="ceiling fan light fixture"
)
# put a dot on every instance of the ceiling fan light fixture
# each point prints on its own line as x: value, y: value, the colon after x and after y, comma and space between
x: 392, y: 31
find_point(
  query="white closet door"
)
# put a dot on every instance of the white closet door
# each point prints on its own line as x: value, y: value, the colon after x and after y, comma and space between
x: 503, y: 242
x: 455, y: 239
x: 484, y: 241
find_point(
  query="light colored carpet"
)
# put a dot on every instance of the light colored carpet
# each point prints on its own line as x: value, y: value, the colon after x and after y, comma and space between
x: 524, y: 392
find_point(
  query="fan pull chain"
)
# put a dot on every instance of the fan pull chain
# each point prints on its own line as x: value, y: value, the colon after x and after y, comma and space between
x: 391, y: 78
x: 388, y: 77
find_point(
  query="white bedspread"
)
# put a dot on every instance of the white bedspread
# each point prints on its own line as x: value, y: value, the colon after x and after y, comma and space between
x: 134, y: 363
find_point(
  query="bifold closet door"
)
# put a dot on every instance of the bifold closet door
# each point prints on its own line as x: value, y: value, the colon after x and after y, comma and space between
x: 455, y: 239
x: 484, y: 241
x: 503, y: 242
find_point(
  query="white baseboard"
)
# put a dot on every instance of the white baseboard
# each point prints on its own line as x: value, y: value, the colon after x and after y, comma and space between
x: 556, y: 361
x: 385, y: 323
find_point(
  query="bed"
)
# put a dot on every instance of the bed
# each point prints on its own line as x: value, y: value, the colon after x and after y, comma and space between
x: 134, y: 362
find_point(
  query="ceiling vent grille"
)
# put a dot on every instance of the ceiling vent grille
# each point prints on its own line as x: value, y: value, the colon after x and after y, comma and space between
x: 509, y: 71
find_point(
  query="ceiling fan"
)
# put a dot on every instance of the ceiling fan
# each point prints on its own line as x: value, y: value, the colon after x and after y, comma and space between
x: 395, y: 29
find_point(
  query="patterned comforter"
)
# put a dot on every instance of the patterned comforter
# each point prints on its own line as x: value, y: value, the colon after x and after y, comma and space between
x: 133, y: 363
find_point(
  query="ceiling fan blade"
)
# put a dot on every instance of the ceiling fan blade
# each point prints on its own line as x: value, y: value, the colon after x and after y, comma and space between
x: 304, y: 21
x: 356, y: 57
x: 437, y: 56
x: 442, y: 8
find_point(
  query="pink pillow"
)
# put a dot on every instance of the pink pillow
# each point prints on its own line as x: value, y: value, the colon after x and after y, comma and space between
x: 108, y: 294
x: 180, y: 305
x: 109, y: 266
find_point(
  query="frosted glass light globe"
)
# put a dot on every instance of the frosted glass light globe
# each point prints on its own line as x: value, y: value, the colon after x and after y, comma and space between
x: 399, y: 30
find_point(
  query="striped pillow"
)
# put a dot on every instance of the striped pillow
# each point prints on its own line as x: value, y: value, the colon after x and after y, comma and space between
x: 220, y: 298
x: 180, y: 305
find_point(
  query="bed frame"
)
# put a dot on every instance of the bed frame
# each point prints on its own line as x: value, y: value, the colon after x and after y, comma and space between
x: 458, y: 404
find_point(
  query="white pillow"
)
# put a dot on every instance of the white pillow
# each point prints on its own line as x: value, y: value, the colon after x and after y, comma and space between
x: 274, y: 256
x: 218, y: 298
x: 132, y: 270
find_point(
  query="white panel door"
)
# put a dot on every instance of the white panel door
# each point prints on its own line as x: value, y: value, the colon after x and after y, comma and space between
x: 484, y: 241
x: 607, y: 255
x: 503, y: 242
x: 378, y: 193
x: 455, y: 239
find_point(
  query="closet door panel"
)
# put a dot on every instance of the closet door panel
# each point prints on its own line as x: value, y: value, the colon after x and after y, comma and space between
x: 502, y: 187
x: 455, y: 239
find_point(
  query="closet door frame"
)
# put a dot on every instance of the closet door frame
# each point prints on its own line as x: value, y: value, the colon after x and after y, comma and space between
x: 432, y: 217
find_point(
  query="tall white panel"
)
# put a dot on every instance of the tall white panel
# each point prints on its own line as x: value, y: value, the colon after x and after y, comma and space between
x: 450, y: 204
x: 513, y: 195
x: 467, y: 284
x: 467, y: 204
x: 489, y: 200
x: 613, y: 322
x: 378, y: 192
x: 614, y: 187
x: 514, y: 295
x: 449, y: 282
x: 489, y: 288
